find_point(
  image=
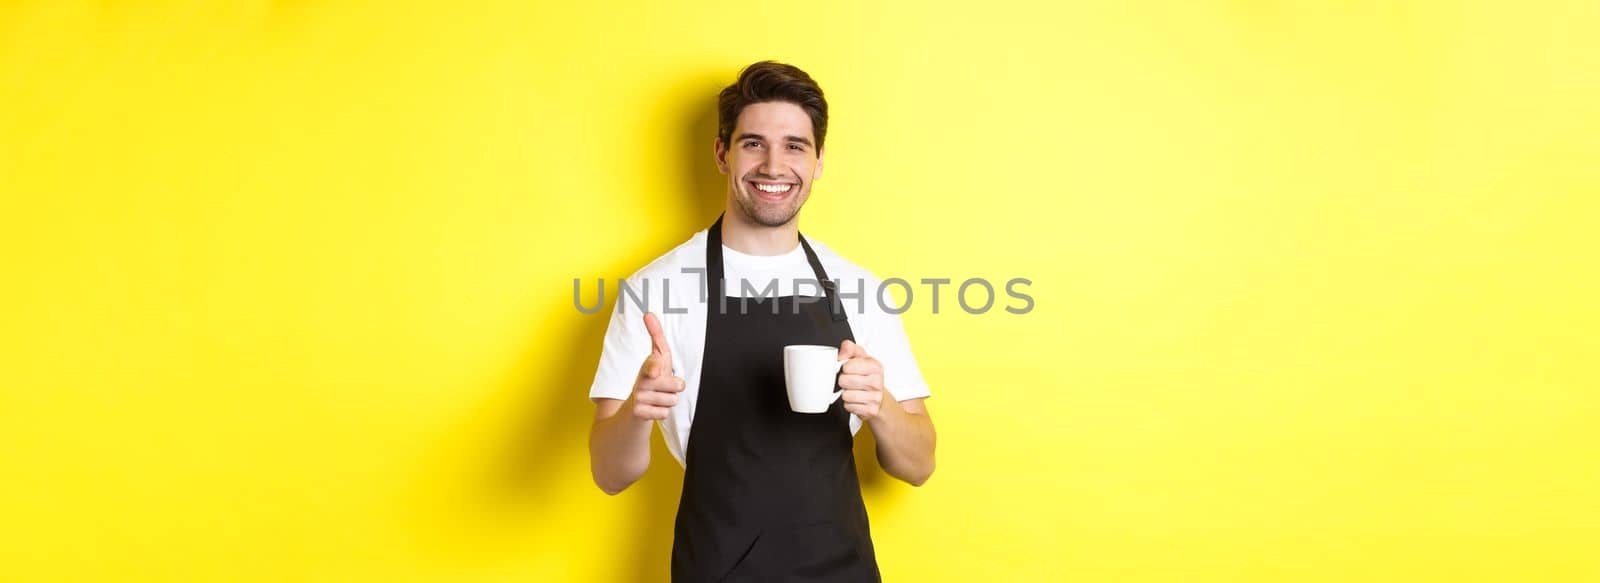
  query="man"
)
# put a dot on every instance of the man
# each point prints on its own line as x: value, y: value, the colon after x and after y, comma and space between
x: 768, y: 494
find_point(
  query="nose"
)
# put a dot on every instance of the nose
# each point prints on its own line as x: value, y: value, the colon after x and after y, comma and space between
x: 770, y: 167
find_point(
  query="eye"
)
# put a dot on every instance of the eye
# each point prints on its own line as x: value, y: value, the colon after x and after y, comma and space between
x: 752, y: 143
x: 796, y: 147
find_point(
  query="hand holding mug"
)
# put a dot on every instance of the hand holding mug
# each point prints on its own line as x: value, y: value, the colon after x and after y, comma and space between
x: 861, y: 378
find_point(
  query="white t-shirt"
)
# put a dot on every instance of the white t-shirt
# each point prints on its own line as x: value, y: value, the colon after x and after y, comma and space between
x: 664, y: 287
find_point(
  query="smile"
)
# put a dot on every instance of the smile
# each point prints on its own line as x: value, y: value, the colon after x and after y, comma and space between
x: 772, y: 191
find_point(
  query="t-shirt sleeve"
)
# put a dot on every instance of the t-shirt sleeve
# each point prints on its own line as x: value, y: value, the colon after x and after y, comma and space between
x: 885, y: 339
x: 624, y: 349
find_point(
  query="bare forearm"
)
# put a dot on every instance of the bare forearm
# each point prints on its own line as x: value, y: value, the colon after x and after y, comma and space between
x: 905, y: 443
x: 619, y: 447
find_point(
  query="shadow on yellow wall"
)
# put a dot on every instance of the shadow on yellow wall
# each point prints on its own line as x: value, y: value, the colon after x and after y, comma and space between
x: 548, y: 428
x: 552, y: 415
x: 288, y: 284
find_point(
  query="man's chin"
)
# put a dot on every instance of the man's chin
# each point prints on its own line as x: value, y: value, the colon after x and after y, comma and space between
x: 769, y: 216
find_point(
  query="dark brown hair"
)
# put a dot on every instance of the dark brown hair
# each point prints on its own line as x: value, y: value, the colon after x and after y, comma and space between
x: 771, y: 81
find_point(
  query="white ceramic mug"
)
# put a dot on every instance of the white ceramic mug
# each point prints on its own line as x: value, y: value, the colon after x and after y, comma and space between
x: 811, y: 372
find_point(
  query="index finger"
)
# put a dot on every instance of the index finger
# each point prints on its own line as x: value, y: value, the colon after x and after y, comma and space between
x: 658, y: 337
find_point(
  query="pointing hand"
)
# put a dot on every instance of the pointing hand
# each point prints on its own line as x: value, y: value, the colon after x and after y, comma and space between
x: 656, y: 389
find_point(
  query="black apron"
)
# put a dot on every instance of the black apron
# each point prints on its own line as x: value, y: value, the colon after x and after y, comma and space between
x: 768, y: 494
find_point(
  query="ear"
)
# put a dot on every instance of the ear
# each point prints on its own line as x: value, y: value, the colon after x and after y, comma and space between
x: 818, y: 173
x: 720, y: 151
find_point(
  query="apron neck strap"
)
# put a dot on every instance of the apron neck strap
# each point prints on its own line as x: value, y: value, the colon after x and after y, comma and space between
x: 714, y: 274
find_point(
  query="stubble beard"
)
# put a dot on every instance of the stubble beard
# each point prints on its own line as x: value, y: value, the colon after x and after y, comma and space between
x: 769, y: 214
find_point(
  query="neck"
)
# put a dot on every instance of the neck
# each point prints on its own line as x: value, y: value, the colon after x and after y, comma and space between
x: 747, y: 237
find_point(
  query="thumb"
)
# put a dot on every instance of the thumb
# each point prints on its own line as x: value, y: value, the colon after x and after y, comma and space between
x: 849, y: 349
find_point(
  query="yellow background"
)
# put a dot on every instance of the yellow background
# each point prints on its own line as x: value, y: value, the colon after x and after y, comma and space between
x: 288, y: 285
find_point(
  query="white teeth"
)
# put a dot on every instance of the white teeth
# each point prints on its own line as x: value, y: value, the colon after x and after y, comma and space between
x: 773, y: 188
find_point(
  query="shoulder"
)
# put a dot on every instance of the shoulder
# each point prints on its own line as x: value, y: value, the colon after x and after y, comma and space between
x: 861, y: 292
x: 851, y: 275
x: 690, y: 254
x: 670, y: 285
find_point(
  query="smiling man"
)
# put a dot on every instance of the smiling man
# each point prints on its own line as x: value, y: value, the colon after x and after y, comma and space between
x: 769, y: 494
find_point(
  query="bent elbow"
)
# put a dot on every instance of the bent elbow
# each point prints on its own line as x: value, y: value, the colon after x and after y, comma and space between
x: 612, y: 485
x: 918, y: 481
x: 918, y: 478
x: 611, y: 488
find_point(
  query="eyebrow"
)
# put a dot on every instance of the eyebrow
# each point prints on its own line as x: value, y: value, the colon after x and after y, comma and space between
x: 797, y: 139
